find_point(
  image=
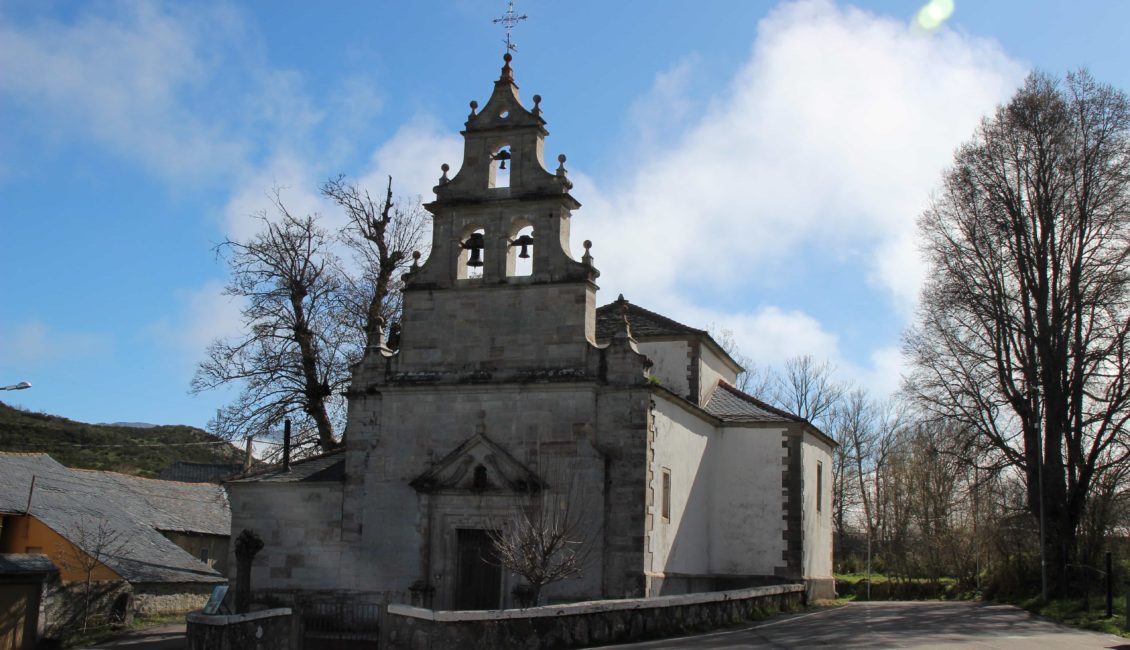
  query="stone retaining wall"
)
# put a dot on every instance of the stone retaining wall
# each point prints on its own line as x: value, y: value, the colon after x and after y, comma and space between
x: 270, y: 629
x: 583, y: 624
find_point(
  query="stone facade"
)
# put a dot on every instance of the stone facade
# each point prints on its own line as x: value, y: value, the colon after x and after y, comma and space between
x: 505, y: 385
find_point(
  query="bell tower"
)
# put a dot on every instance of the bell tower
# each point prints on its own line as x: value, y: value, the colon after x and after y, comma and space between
x: 500, y: 293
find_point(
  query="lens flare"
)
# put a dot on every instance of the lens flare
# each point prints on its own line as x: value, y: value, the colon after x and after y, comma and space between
x: 933, y: 14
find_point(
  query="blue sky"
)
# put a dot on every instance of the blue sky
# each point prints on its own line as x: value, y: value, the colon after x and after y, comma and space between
x: 752, y: 165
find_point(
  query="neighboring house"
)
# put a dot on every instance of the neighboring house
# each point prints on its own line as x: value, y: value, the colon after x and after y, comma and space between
x: 510, y: 381
x: 200, y: 472
x: 165, y: 541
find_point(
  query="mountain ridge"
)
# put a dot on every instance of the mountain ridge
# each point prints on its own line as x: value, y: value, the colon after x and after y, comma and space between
x: 135, y: 450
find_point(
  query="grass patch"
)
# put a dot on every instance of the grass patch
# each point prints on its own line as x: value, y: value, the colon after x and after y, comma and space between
x: 854, y: 586
x: 1077, y: 612
x: 98, y: 634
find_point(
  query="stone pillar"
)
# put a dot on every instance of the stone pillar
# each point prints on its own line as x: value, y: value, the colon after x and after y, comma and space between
x: 247, y: 545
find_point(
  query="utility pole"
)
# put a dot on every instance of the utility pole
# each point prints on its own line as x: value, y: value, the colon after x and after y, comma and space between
x: 1040, y: 481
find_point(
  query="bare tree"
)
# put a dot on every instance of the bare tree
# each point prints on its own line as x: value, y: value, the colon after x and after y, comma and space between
x: 93, y: 541
x: 869, y: 430
x: 546, y: 539
x: 1024, y: 325
x: 383, y: 237
x: 294, y: 357
x: 808, y: 389
x: 754, y: 379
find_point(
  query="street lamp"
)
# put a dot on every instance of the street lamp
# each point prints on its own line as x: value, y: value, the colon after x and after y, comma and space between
x: 20, y: 386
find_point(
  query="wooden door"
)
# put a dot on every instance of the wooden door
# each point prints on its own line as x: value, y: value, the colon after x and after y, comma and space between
x: 478, y: 576
x: 19, y: 613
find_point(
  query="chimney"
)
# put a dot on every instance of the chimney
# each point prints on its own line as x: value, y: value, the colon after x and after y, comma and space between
x: 286, y: 445
x: 248, y: 459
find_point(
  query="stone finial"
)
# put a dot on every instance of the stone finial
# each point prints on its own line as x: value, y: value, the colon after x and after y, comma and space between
x: 474, y: 108
x: 377, y: 336
x: 481, y: 426
x: 586, y: 259
x: 561, y: 165
x: 507, y: 71
x: 444, y: 168
x: 416, y: 257
x: 537, y: 105
x: 625, y: 331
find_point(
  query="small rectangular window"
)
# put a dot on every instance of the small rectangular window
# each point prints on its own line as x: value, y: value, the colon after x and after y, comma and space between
x: 666, y: 494
x: 819, y: 486
x: 204, y: 555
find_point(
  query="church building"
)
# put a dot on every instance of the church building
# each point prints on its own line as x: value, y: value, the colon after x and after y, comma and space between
x: 507, y: 381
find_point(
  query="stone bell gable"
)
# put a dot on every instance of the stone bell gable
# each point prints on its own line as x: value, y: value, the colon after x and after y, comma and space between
x: 500, y: 295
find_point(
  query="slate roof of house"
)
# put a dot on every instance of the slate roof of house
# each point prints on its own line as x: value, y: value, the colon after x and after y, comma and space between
x: 644, y: 322
x: 328, y: 467
x: 732, y: 405
x: 71, y: 501
x: 199, y: 472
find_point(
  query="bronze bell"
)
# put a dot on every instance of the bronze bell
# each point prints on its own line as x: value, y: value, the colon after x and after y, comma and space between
x: 525, y: 241
x: 474, y: 244
x: 502, y: 156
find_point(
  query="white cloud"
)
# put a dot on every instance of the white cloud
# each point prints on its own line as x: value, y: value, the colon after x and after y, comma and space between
x: 412, y: 157
x: 297, y: 182
x: 830, y: 137
x: 206, y: 315
x: 832, y: 134
x: 124, y: 80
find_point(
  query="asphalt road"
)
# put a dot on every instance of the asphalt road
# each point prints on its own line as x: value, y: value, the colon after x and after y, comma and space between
x: 901, y: 625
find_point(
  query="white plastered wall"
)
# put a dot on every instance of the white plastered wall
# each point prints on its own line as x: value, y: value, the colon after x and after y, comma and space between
x: 711, y: 368
x: 817, y: 554
x: 726, y: 505
x: 680, y: 545
x: 747, y: 518
x: 670, y: 363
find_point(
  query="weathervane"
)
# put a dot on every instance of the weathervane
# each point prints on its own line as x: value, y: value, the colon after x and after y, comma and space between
x: 508, y: 21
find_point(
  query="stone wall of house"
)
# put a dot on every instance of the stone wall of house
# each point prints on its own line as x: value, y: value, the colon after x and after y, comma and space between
x: 210, y: 549
x: 66, y: 603
x: 152, y: 599
x: 583, y: 624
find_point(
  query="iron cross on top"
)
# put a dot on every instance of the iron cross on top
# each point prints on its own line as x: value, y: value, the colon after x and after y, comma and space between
x: 508, y: 21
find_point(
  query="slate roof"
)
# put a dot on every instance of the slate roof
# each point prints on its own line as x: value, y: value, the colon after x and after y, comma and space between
x: 135, y: 509
x: 25, y: 563
x: 644, y: 322
x: 732, y: 405
x: 328, y: 467
x: 199, y: 472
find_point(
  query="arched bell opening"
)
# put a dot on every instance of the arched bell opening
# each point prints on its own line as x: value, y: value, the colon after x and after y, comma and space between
x: 520, y: 249
x: 472, y: 254
x: 501, y: 162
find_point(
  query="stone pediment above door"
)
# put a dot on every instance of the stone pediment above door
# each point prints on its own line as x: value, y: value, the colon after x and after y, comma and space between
x: 478, y: 466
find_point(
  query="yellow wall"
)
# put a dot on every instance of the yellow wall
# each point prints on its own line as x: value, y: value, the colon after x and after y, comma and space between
x: 26, y: 534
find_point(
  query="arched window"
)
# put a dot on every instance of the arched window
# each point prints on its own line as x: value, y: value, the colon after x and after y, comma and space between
x: 500, y: 164
x: 472, y: 254
x: 520, y: 253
